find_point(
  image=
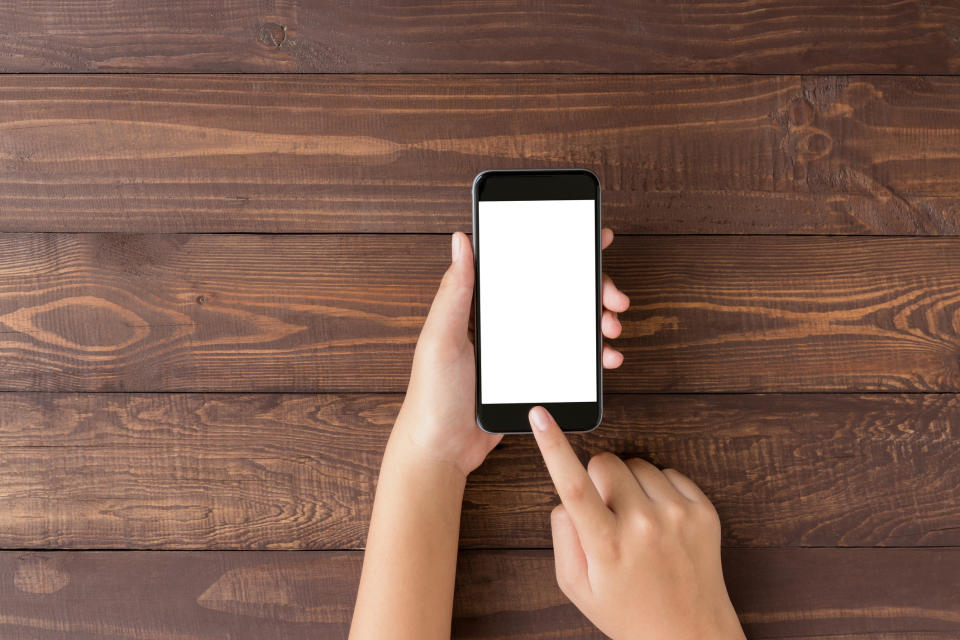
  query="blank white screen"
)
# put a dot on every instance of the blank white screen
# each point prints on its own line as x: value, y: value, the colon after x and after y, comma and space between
x: 538, y: 315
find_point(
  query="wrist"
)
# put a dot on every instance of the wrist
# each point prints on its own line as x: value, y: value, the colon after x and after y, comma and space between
x: 727, y: 624
x: 404, y: 453
x: 734, y: 630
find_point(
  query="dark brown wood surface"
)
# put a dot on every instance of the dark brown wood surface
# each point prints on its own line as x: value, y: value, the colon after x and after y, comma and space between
x: 752, y: 36
x: 211, y: 285
x: 846, y: 593
x: 210, y: 312
x: 386, y: 153
x: 225, y: 471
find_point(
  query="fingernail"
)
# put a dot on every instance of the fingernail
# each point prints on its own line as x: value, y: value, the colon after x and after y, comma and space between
x: 538, y: 417
x: 455, y: 246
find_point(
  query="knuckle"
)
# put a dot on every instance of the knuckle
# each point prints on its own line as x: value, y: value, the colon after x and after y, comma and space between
x: 601, y: 460
x: 573, y: 489
x: 638, y: 463
x: 674, y: 512
x: 464, y: 290
x: 710, y: 516
x: 644, y: 525
x: 452, y: 283
x: 675, y: 475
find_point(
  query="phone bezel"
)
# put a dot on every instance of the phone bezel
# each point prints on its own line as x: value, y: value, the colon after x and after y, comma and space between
x: 538, y: 184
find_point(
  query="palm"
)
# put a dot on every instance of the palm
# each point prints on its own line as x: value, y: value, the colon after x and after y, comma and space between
x: 442, y: 386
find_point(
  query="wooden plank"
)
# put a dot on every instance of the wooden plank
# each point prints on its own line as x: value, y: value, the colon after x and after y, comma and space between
x: 279, y: 313
x: 675, y: 154
x: 778, y: 36
x: 836, y: 593
x: 224, y: 471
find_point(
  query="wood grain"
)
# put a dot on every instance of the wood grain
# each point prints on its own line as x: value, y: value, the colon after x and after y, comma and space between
x: 306, y: 313
x: 254, y: 459
x: 777, y: 36
x: 374, y: 153
x: 836, y: 593
x: 225, y: 471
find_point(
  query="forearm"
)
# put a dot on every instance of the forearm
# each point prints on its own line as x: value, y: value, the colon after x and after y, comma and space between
x: 406, y: 587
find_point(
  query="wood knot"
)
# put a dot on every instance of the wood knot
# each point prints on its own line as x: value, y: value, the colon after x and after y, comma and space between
x: 83, y: 323
x: 272, y: 34
x: 39, y: 575
x: 803, y: 142
x: 800, y: 112
x: 201, y: 300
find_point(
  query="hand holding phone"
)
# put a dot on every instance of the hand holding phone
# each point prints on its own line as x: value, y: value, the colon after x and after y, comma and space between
x: 437, y: 420
x: 636, y: 549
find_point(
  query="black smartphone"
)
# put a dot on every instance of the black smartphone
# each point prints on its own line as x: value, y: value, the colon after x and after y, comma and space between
x: 536, y: 244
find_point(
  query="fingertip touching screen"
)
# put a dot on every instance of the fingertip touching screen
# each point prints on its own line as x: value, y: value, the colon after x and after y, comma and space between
x: 538, y: 312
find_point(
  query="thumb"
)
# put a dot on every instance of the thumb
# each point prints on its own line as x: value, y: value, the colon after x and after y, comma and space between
x: 568, y: 555
x: 449, y: 314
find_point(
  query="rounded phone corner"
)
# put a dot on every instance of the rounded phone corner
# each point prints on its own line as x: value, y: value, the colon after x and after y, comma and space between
x: 477, y: 178
x: 588, y: 429
x: 590, y: 173
x: 483, y: 428
x: 597, y: 423
x: 499, y: 433
x: 594, y: 176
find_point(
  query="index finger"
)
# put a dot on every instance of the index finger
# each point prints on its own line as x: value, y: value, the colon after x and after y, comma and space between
x: 577, y: 492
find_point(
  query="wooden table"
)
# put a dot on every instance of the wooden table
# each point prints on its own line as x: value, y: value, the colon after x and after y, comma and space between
x: 221, y: 225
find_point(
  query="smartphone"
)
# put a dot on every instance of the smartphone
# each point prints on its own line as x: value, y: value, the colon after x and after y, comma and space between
x: 536, y: 244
